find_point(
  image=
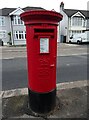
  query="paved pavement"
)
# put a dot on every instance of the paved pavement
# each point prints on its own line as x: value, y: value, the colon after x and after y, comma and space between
x: 63, y: 49
x: 71, y: 102
x: 71, y: 49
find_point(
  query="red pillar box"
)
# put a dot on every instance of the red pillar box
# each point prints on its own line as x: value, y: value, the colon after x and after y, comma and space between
x: 41, y: 37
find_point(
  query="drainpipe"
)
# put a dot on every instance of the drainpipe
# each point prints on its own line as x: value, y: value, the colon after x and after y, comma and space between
x: 12, y: 37
x: 67, y: 38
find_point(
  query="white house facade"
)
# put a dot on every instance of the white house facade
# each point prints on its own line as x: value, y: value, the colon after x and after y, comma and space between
x: 12, y: 29
x: 74, y: 22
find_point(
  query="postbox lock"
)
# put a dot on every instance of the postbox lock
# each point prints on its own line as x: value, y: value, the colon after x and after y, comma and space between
x: 52, y: 65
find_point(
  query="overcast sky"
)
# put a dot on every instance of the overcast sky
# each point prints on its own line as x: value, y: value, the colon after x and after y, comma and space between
x: 47, y: 4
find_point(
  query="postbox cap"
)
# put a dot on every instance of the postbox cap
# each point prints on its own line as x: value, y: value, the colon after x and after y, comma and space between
x: 41, y: 16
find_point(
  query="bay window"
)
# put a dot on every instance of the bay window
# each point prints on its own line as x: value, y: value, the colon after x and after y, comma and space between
x: 77, y: 21
x: 87, y: 23
x: 19, y: 35
x: 17, y: 20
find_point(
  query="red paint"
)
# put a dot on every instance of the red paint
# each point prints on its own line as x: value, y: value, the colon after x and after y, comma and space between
x: 41, y: 66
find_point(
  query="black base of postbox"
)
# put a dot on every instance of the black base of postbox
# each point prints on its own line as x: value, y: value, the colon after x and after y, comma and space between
x: 42, y: 102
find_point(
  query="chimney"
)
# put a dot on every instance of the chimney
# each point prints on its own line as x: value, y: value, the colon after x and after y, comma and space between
x: 62, y: 6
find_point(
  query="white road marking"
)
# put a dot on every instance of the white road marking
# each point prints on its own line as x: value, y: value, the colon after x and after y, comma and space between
x: 15, y: 50
x: 73, y: 54
x: 72, y: 45
x: 7, y: 58
x: 67, y: 64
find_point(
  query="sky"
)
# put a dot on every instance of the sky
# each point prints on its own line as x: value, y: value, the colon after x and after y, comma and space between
x: 47, y: 4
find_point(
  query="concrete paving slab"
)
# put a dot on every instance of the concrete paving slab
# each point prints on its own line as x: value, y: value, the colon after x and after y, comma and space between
x: 71, y: 103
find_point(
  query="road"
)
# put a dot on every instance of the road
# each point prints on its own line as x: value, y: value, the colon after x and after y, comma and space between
x: 71, y: 65
x: 69, y: 68
x: 72, y: 68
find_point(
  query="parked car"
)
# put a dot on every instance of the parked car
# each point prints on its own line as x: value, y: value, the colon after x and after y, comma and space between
x: 80, y: 38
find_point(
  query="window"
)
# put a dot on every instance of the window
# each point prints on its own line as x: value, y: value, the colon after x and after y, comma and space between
x: 19, y: 35
x: 2, y: 34
x: 87, y: 23
x: 77, y: 21
x: 73, y: 32
x: 17, y: 20
x: 76, y: 32
x: 84, y: 22
x: 2, y: 21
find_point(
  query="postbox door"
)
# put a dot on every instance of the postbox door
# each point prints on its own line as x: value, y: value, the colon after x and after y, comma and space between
x: 47, y: 63
x: 42, y: 61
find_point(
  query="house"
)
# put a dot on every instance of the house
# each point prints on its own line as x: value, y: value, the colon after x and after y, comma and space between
x: 12, y: 29
x: 74, y: 22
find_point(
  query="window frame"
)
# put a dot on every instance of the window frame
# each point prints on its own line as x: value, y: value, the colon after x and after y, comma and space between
x: 17, y: 20
x: 4, y: 35
x: 87, y: 23
x: 20, y: 35
x: 77, y: 21
x: 2, y: 21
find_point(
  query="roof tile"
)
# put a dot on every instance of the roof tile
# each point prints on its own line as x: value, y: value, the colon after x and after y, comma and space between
x: 71, y: 12
x: 7, y: 11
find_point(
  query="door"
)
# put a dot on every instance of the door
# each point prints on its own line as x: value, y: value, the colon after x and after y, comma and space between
x: 42, y: 61
x: 46, y: 64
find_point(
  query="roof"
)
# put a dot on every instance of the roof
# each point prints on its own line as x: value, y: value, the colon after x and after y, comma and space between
x: 7, y: 11
x: 32, y: 8
x: 71, y: 12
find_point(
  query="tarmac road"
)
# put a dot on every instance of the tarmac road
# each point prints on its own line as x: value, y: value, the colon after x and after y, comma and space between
x: 71, y: 65
x: 69, y: 68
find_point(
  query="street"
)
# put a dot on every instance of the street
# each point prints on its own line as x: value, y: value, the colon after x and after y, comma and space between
x: 70, y: 67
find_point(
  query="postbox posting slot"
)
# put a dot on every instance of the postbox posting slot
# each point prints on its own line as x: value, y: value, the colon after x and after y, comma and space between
x: 44, y: 30
x: 40, y: 31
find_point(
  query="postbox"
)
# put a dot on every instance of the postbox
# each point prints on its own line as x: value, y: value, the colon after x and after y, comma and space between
x: 41, y: 38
